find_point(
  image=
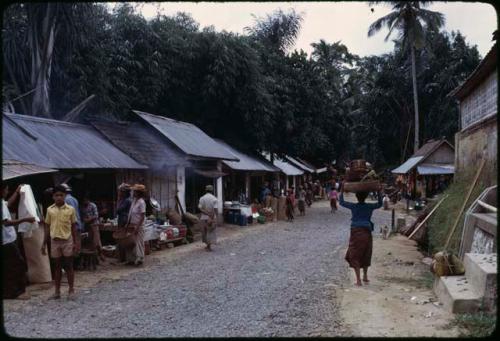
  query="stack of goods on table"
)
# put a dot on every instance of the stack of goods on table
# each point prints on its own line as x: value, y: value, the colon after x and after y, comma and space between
x: 237, y: 214
x: 361, y: 178
x: 265, y: 214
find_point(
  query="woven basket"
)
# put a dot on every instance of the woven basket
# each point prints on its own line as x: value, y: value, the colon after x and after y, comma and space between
x: 191, y: 218
x: 365, y: 186
x: 124, y: 239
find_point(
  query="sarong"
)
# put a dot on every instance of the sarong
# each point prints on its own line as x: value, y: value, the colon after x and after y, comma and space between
x: 302, y: 206
x: 333, y: 203
x: 14, y: 277
x: 289, y: 210
x: 208, y: 235
x: 359, y: 253
x: 136, y: 254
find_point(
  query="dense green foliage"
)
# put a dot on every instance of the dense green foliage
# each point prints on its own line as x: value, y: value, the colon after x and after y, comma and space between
x: 252, y: 90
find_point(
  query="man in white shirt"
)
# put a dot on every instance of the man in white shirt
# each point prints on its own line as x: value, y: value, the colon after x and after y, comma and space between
x: 208, y: 208
x: 14, y: 277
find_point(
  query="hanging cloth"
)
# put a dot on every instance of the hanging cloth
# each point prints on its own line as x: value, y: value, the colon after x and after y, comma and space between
x: 27, y: 208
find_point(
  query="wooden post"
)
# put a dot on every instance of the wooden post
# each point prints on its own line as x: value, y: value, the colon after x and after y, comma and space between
x: 427, y: 217
x: 181, y: 185
x: 393, y: 220
x: 220, y: 203
x: 247, y: 187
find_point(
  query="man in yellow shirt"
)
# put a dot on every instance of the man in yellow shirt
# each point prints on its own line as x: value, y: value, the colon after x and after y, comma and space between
x: 60, y: 226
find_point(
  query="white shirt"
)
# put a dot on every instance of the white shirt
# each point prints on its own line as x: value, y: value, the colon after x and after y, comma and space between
x: 8, y: 232
x: 137, y: 209
x: 207, y: 202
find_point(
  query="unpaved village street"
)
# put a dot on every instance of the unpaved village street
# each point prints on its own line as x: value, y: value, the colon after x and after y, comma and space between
x: 278, y: 279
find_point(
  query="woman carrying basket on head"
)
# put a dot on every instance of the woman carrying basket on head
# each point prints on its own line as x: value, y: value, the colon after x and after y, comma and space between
x: 359, y: 253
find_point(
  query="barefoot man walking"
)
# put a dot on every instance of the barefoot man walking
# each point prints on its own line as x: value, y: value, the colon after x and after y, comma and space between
x: 208, y: 208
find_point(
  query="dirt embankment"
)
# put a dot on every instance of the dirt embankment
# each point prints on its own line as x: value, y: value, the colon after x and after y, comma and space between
x: 398, y: 301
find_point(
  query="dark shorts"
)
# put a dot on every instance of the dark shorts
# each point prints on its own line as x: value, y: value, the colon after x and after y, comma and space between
x: 359, y: 253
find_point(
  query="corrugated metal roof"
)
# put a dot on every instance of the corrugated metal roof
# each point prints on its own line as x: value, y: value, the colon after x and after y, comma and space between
x: 13, y: 169
x: 188, y: 137
x: 428, y: 169
x: 409, y: 164
x: 247, y: 162
x: 308, y: 164
x: 61, y: 145
x: 300, y: 164
x: 209, y: 173
x: 284, y: 166
x: 142, y: 142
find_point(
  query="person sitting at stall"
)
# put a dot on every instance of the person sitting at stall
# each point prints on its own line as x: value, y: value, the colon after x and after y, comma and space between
x: 359, y: 253
x: 264, y: 192
x: 14, y: 269
x: 90, y: 220
x: 60, y: 227
x: 136, y: 220
x: 122, y: 210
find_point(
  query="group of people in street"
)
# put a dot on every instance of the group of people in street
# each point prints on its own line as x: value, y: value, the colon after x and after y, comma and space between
x: 299, y: 198
x: 66, y: 226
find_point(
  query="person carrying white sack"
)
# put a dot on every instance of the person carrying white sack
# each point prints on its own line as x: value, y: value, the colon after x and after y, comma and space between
x: 38, y: 264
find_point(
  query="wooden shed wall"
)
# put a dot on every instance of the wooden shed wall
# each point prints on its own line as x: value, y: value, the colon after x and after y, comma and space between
x: 444, y: 154
x: 161, y: 185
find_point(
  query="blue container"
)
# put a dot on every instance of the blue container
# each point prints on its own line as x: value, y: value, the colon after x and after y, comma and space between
x: 243, y: 220
x: 230, y: 217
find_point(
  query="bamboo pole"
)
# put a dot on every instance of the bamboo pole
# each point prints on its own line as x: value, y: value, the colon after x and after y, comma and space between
x: 428, y: 216
x: 487, y: 206
x: 464, y: 204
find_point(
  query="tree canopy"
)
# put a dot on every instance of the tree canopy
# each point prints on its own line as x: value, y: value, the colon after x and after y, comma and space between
x: 252, y: 90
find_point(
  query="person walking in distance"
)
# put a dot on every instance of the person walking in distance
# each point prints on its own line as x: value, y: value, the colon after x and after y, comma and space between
x: 333, y: 200
x: 208, y: 208
x: 61, y: 228
x: 359, y: 253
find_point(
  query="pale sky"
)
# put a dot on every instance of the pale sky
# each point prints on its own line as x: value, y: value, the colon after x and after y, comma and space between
x: 334, y: 21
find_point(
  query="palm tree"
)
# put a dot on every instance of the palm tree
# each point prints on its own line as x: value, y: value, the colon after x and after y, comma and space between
x: 411, y: 21
x: 278, y: 30
x: 33, y: 31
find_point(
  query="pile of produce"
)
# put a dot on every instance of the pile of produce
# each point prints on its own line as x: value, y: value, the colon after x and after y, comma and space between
x: 360, y: 177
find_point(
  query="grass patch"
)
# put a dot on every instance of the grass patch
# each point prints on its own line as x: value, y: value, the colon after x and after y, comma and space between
x: 475, y: 325
x: 441, y: 222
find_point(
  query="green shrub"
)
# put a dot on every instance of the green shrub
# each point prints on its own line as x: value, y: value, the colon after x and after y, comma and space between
x: 475, y: 325
x: 439, y: 225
